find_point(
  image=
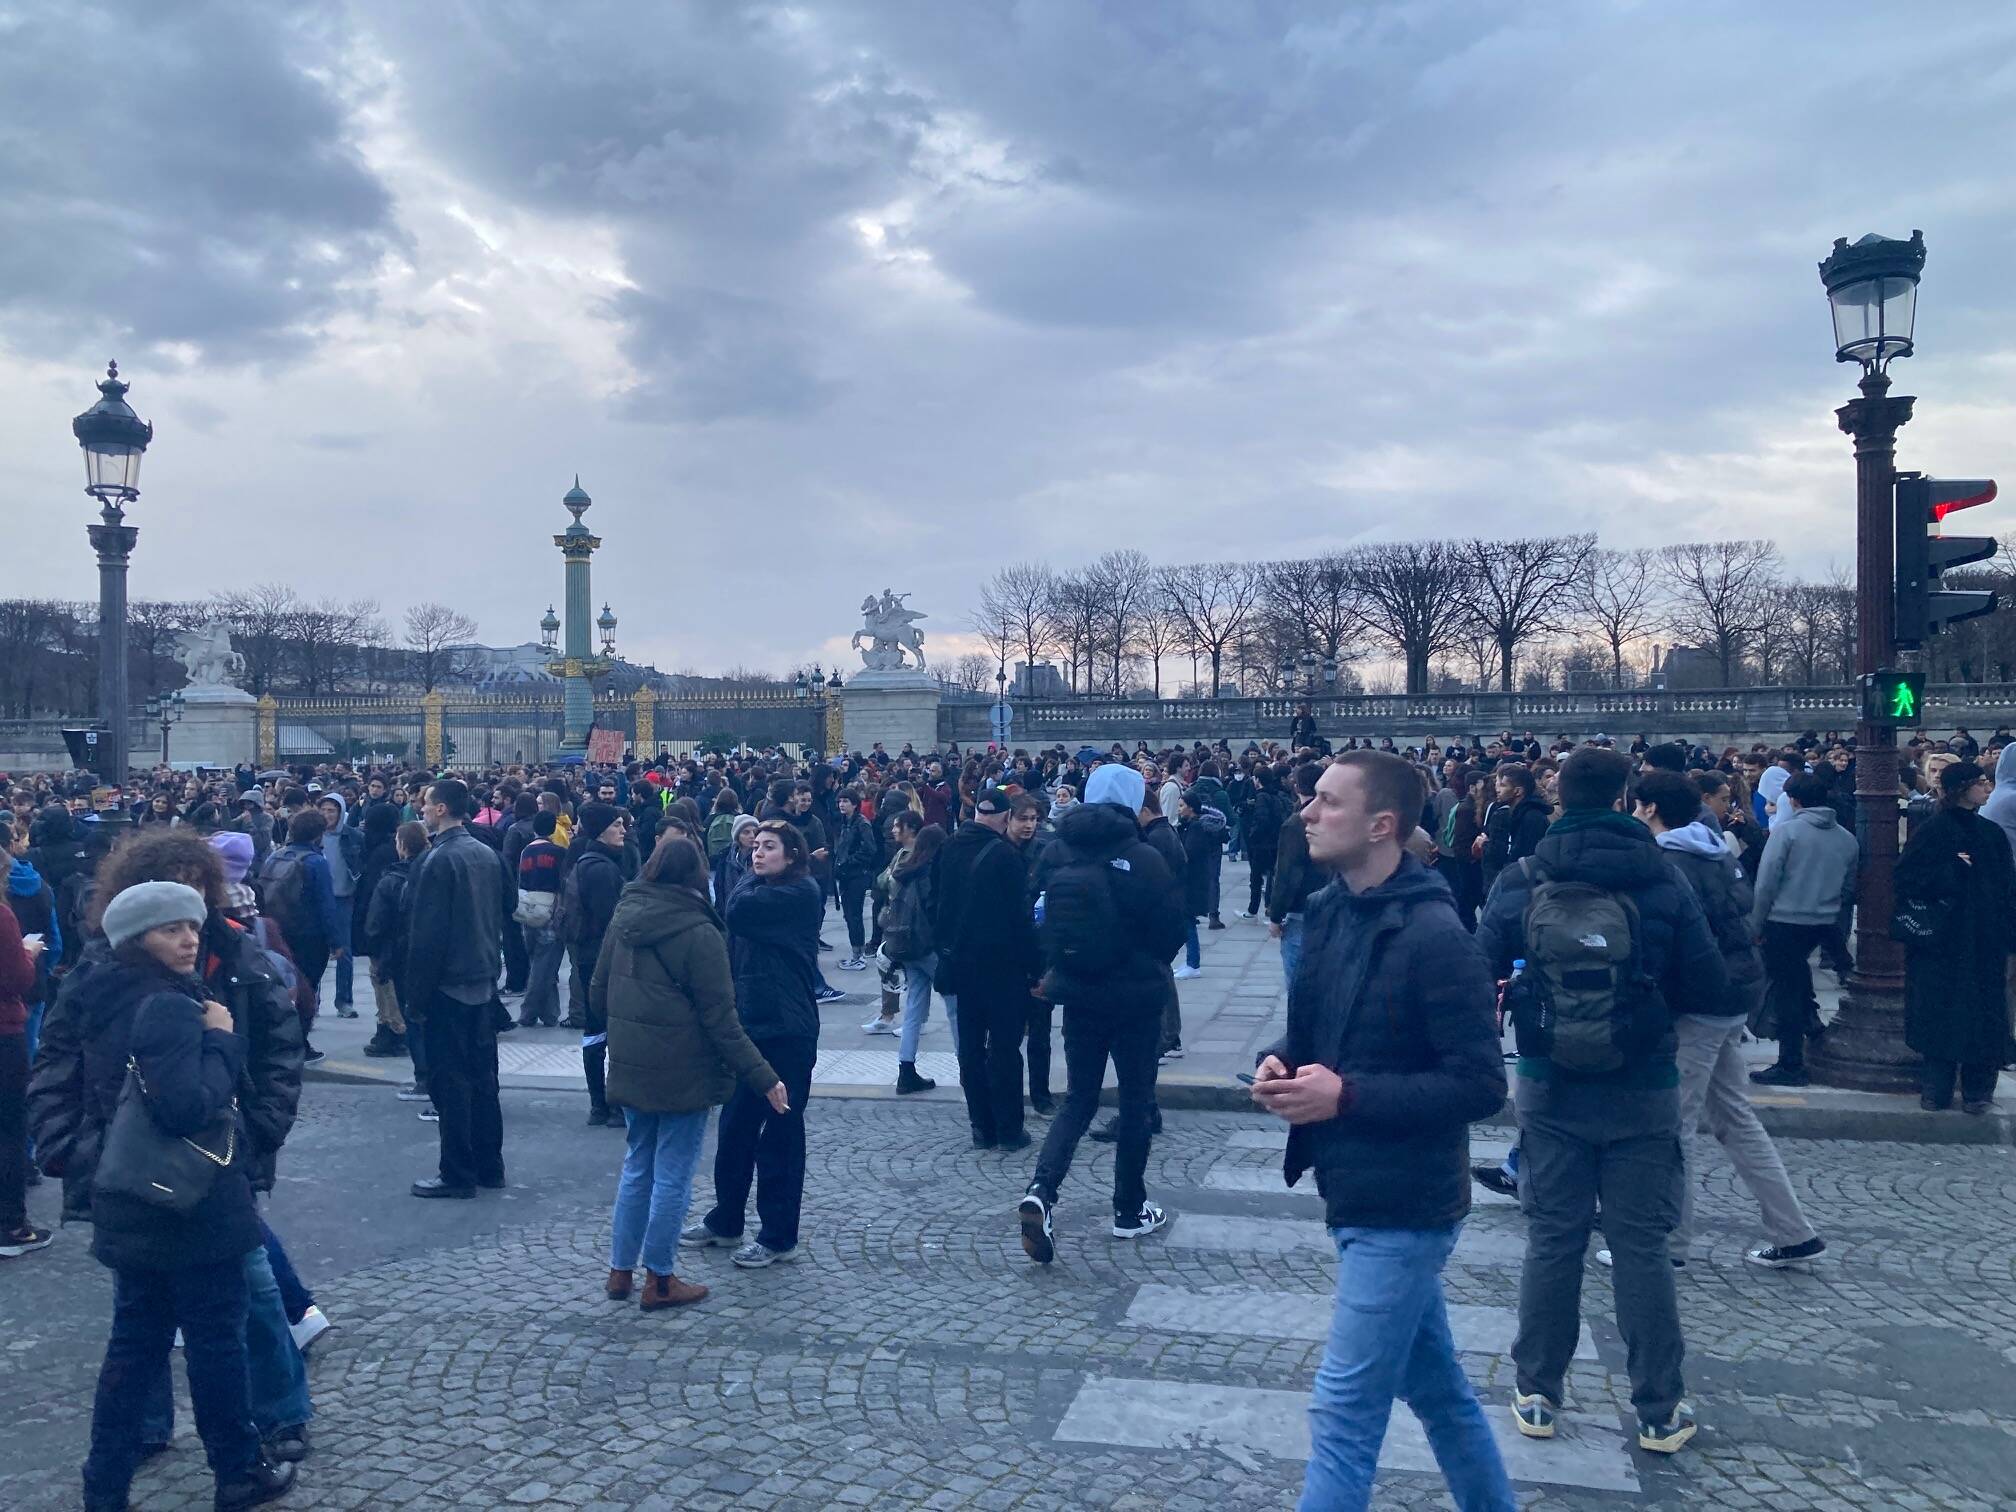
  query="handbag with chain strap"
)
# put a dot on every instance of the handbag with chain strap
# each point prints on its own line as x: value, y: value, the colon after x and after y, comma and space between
x: 143, y: 1161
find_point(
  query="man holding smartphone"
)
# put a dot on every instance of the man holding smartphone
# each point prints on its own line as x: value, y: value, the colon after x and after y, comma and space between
x: 1391, y: 1053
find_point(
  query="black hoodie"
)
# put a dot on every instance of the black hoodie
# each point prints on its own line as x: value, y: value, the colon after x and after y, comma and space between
x: 1146, y: 896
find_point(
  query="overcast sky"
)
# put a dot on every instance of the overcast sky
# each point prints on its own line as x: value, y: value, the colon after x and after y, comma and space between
x: 821, y: 298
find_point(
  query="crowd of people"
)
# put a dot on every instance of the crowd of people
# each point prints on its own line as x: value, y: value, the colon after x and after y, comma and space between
x: 1634, y: 913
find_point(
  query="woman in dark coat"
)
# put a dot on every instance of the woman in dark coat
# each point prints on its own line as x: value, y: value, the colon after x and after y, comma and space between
x: 676, y: 1051
x: 146, y: 1006
x: 1956, y: 1005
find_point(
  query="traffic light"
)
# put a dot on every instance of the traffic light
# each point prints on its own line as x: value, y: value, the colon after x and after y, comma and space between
x: 1923, y: 607
x: 1893, y: 698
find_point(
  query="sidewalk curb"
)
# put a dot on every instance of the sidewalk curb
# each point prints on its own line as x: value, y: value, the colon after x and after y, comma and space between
x: 1868, y: 1119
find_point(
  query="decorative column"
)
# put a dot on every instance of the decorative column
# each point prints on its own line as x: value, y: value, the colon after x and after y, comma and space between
x: 646, y: 743
x: 577, y: 663
x: 269, y: 730
x: 433, y: 729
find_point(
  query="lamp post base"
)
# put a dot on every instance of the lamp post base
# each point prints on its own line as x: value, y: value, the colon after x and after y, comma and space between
x: 1864, y: 1050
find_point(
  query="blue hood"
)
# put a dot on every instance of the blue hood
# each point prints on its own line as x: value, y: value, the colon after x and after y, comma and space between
x: 23, y: 881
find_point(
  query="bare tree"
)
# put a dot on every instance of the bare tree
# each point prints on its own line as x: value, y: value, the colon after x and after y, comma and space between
x: 1162, y: 631
x: 1311, y: 604
x: 259, y: 619
x: 1017, y: 603
x: 1074, y: 621
x: 1413, y: 595
x: 1518, y: 589
x: 1213, y: 601
x: 1124, y: 591
x: 974, y: 670
x: 1620, y: 599
x: 1722, y: 596
x: 438, y: 637
x: 151, y: 628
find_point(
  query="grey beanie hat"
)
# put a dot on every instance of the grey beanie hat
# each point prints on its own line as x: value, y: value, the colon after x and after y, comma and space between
x: 149, y: 905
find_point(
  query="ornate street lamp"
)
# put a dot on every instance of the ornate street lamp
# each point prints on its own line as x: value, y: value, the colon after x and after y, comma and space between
x: 167, y: 713
x: 114, y: 439
x: 1288, y: 674
x: 606, y: 623
x: 1309, y: 671
x: 1872, y: 289
x: 799, y: 687
x: 549, y: 630
x: 1329, y: 674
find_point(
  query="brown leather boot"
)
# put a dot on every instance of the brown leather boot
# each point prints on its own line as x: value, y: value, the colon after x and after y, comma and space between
x: 668, y: 1291
x: 618, y: 1286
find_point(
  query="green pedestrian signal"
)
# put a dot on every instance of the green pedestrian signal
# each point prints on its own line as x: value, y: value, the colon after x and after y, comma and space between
x: 1894, y: 698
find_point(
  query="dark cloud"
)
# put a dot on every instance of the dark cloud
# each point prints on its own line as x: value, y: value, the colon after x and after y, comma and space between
x: 174, y: 174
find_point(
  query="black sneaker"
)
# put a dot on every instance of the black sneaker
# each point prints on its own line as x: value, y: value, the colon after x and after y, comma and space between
x: 288, y: 1446
x: 1043, y: 1107
x: 1109, y: 1131
x: 1533, y: 1413
x: 1019, y: 1140
x: 982, y: 1141
x: 1777, y: 1257
x: 1493, y: 1179
x: 24, y: 1241
x: 1039, y: 1239
x: 263, y: 1483
x: 829, y: 995
x: 598, y: 1118
x: 1142, y: 1224
x: 346, y: 1011
x: 311, y: 1056
x: 1779, y: 1076
x: 1667, y: 1437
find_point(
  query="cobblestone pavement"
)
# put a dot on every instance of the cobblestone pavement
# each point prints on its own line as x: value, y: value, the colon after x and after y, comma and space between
x: 914, y: 1358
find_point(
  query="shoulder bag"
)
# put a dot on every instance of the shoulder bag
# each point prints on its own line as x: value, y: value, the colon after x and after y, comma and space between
x: 142, y: 1161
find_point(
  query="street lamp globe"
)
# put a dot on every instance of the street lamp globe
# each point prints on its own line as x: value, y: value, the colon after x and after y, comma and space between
x: 113, y: 438
x: 798, y: 687
x: 606, y: 623
x: 549, y: 629
x: 1872, y: 286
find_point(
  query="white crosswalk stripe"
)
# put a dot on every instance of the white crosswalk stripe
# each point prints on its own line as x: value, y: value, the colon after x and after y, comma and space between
x: 1306, y: 1315
x: 1480, y: 1246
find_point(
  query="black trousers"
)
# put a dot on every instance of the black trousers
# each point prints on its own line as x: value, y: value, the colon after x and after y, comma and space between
x: 1788, y: 975
x: 517, y: 963
x: 462, y: 1080
x: 1091, y: 1036
x: 1262, y: 872
x: 853, y: 889
x: 13, y: 1132
x: 1977, y: 1080
x: 992, y: 1021
x: 1039, y: 1050
x: 756, y: 1143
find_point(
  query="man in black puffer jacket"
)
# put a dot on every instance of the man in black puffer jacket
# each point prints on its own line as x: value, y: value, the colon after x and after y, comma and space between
x: 1616, y: 1132
x: 1391, y: 1053
x: 1114, y: 1012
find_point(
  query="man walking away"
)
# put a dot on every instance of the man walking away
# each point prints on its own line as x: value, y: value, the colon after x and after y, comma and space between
x: 1805, y: 877
x: 1391, y: 1053
x: 1110, y: 923
x: 1711, y: 1062
x: 1295, y: 878
x: 458, y: 899
x: 1612, y: 945
x: 987, y: 958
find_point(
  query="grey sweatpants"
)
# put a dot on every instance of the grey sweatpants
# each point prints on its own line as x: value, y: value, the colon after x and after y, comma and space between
x: 1579, y: 1142
x: 1714, y: 1087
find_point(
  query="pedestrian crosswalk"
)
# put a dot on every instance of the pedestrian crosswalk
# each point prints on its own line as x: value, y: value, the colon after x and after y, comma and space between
x: 1252, y: 1423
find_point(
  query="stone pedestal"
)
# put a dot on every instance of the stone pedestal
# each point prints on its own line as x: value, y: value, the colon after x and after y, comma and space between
x: 219, y: 728
x: 892, y: 706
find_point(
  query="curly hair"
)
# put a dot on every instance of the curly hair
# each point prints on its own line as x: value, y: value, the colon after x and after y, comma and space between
x: 158, y: 854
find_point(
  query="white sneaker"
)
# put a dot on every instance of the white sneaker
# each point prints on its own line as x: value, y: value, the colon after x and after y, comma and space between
x: 1151, y: 1218
x: 1240, y: 913
x: 312, y: 1326
x: 879, y: 1025
x: 1603, y: 1259
x: 1184, y: 973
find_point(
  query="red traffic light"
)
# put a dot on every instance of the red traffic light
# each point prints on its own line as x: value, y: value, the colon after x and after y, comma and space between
x: 1944, y: 495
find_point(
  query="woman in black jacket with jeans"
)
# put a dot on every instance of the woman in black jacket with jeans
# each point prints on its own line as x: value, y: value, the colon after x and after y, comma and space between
x: 148, y: 1009
x: 773, y: 941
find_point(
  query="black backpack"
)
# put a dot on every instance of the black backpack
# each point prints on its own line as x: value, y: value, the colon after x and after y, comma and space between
x: 1078, y: 919
x: 283, y: 894
x: 1583, y: 999
x: 906, y: 923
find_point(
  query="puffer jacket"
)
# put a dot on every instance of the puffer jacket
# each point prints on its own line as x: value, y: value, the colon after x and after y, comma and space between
x: 773, y: 947
x: 1145, y: 897
x: 1708, y: 862
x: 663, y: 986
x: 1393, y: 995
x: 1203, y: 842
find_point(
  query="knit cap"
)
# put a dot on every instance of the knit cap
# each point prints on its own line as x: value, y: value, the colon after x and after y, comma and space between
x: 149, y: 905
x: 234, y: 849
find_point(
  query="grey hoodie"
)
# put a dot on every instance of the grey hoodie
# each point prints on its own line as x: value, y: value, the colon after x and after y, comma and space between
x: 1808, y: 870
x: 2001, y: 804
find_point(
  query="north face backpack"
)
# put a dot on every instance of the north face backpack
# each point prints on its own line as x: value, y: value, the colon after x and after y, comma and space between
x: 1079, y: 926
x: 1582, y: 999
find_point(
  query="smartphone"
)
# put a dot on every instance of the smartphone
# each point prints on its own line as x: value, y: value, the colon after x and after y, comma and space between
x: 31, y: 940
x: 1247, y: 1077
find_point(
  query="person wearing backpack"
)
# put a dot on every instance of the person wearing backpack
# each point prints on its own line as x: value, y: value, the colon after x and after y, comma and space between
x: 1110, y: 923
x: 1260, y: 834
x: 594, y: 883
x: 295, y: 892
x: 987, y: 956
x: 1608, y: 945
x: 540, y: 864
x: 908, y: 940
x: 381, y: 853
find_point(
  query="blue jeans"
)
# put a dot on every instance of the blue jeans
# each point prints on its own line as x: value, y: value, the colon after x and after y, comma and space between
x: 207, y: 1302
x: 294, y: 1294
x: 346, y: 963
x: 542, y: 982
x: 1291, y: 948
x: 1390, y: 1338
x: 276, y: 1375
x: 917, y: 1008
x: 655, y: 1189
x: 1192, y: 954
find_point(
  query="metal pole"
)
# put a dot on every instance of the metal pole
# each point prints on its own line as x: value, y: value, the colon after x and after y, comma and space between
x: 1864, y: 1048
x: 113, y: 540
